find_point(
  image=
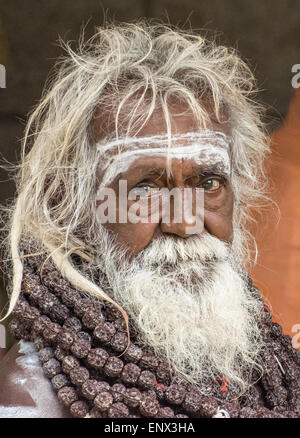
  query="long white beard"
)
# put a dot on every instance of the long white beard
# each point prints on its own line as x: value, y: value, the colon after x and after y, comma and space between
x: 189, y: 301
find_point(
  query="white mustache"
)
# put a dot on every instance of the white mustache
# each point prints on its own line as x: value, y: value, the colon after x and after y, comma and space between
x: 168, y: 250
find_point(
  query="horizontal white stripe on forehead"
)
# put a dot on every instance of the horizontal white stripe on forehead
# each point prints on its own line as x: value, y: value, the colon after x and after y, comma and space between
x: 199, y: 154
x: 209, y: 147
x: 137, y: 142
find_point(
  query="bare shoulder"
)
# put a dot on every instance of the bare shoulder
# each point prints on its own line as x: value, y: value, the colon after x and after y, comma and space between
x: 25, y: 391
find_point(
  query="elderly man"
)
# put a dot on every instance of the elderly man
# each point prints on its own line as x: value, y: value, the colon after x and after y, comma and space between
x: 128, y: 240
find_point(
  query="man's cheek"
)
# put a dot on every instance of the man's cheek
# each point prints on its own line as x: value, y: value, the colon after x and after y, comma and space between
x: 135, y: 237
x: 219, y: 224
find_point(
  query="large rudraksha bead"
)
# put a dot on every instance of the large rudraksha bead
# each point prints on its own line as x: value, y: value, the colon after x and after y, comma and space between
x: 233, y: 409
x: 62, y: 284
x: 150, y: 393
x: 65, y: 339
x: 68, y: 363
x: 92, y: 318
x: 84, y: 336
x: 80, y: 348
x: 36, y: 294
x: 67, y: 395
x: 103, y: 386
x: 29, y: 283
x: 60, y: 312
x: 133, y: 397
x: 51, y: 368
x: 45, y: 354
x: 208, y: 407
x: 73, y: 323
x: 133, y: 353
x: 130, y: 374
x: 50, y: 277
x: 120, y: 324
x: 147, y: 379
x: 163, y: 372
x: 47, y: 301
x: 175, y: 394
x: 118, y: 391
x: 103, y: 401
x: 60, y: 353
x: 90, y: 389
x: 79, y: 409
x: 113, y: 366
x: 97, y: 358
x: 30, y: 316
x: 51, y: 331
x: 148, y: 361
x: 192, y: 401
x: 79, y: 375
x: 149, y: 407
x: 18, y: 330
x: 104, y: 331
x: 112, y: 313
x: 118, y: 410
x: 81, y: 306
x: 59, y: 381
x: 69, y: 297
x: 119, y: 342
x: 247, y: 412
x: 40, y: 324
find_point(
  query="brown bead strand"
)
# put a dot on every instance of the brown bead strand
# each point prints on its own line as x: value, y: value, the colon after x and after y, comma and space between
x: 146, y: 408
x: 63, y: 333
x: 146, y: 380
x: 78, y: 376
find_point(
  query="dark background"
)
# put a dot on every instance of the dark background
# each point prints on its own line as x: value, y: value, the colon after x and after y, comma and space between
x: 266, y: 33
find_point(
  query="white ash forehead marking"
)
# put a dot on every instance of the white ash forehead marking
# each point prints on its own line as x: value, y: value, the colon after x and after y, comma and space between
x: 137, y: 142
x: 211, y: 147
x: 121, y: 163
x: 35, y: 384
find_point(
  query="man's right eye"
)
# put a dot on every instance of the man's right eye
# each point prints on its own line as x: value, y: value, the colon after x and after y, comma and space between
x: 144, y: 190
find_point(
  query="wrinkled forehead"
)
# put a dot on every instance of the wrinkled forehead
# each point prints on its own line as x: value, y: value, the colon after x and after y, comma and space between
x: 203, y: 147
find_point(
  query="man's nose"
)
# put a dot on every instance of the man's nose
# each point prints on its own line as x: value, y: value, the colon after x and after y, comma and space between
x: 182, y: 215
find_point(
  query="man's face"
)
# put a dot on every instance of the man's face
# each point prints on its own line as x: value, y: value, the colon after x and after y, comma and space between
x: 198, y: 164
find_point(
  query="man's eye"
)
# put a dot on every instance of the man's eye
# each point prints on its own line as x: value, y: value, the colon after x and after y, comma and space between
x: 143, y: 190
x: 212, y: 184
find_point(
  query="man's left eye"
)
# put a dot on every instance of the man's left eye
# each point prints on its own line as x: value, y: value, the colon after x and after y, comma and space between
x: 212, y: 184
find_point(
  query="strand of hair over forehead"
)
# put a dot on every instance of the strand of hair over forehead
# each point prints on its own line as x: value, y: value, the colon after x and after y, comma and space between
x: 128, y: 70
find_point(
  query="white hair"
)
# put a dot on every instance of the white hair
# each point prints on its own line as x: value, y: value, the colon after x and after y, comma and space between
x: 128, y: 71
x: 189, y: 301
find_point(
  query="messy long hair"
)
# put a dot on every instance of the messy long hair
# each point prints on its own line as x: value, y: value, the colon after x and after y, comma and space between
x: 128, y: 71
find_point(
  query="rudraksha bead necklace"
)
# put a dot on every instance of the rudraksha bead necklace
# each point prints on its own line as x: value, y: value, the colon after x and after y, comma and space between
x: 80, y: 341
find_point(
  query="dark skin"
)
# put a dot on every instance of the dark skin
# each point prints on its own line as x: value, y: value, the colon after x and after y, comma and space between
x: 150, y: 172
x: 146, y: 173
